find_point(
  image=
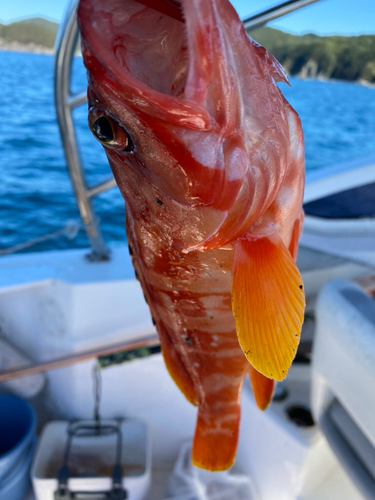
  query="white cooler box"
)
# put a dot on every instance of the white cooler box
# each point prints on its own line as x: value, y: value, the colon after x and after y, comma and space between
x: 90, y: 458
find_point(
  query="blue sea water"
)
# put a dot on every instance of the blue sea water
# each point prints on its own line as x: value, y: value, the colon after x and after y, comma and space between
x: 35, y: 191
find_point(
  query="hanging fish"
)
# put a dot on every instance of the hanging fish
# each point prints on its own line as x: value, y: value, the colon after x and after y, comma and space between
x: 209, y: 158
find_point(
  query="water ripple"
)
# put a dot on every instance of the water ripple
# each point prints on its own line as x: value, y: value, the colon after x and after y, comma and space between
x: 35, y: 191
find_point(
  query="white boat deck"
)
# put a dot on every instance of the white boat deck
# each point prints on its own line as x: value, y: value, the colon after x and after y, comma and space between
x: 70, y: 304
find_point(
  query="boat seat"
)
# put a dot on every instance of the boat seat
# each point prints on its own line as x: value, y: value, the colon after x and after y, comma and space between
x: 350, y: 204
x: 343, y: 379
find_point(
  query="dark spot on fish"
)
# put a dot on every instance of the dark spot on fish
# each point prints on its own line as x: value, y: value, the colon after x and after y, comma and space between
x: 153, y: 321
x: 136, y: 275
x: 221, y: 266
x: 159, y: 202
x: 301, y: 286
x: 130, y: 250
x: 211, y: 317
x: 188, y: 340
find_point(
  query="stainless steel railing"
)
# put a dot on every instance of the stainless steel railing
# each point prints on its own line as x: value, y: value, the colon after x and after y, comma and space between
x: 66, y: 101
x: 280, y: 10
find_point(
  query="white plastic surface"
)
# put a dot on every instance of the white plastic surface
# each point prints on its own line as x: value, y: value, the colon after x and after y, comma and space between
x: 63, y: 310
x: 340, y: 177
x: 91, y: 461
x: 344, y: 356
x: 281, y: 458
x: 190, y: 483
x: 140, y: 389
x: 348, y: 238
x: 69, y: 304
x: 26, y: 387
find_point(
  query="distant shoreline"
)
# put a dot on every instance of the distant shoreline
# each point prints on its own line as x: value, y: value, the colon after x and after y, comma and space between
x: 322, y: 79
x: 38, y: 49
x: 25, y: 48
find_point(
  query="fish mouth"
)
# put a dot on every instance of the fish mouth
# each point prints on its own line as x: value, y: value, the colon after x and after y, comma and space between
x: 151, y: 45
x: 157, y: 53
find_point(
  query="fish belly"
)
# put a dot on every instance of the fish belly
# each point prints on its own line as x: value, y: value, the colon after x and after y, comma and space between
x: 189, y: 295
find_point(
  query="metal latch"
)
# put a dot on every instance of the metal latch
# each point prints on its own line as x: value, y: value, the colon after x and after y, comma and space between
x: 88, y: 430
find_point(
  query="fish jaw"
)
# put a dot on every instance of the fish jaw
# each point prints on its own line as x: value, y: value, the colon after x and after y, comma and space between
x: 144, y: 68
x: 165, y: 64
x: 197, y: 88
x: 146, y: 55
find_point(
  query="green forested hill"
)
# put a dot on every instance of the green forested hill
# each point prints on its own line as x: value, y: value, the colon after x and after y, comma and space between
x: 342, y: 57
x: 37, y: 31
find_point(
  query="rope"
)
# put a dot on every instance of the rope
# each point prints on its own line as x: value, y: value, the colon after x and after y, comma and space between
x: 70, y: 230
x: 97, y: 387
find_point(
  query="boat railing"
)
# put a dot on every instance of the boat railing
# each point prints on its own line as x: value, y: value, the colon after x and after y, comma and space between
x: 66, y: 101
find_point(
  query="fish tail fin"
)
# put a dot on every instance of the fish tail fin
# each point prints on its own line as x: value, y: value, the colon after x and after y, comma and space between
x: 262, y: 388
x: 216, y: 435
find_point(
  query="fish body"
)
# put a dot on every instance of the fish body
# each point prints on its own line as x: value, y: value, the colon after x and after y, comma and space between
x: 209, y: 158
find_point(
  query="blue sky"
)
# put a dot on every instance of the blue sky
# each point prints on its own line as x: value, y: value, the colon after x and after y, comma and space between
x: 324, y: 17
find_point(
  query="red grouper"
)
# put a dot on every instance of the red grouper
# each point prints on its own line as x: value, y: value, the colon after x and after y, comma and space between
x: 209, y: 158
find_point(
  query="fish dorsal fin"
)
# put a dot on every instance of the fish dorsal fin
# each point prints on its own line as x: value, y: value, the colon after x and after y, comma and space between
x: 274, y: 67
x: 268, y: 303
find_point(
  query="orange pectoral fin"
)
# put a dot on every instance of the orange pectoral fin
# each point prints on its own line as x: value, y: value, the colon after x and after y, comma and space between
x: 262, y: 388
x: 268, y: 303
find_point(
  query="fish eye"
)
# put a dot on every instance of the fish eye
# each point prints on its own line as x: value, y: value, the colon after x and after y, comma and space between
x: 109, y: 131
x: 102, y: 129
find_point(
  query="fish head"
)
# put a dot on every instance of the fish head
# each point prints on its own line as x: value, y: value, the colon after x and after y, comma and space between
x: 187, y: 102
